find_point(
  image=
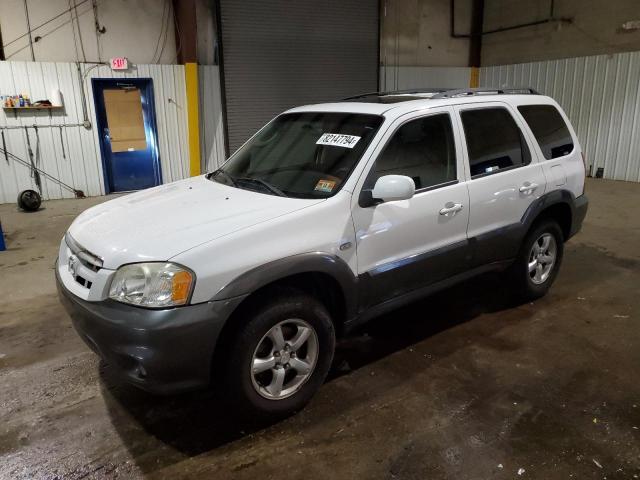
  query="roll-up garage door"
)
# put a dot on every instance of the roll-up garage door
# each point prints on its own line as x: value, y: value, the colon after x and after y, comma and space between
x: 279, y: 54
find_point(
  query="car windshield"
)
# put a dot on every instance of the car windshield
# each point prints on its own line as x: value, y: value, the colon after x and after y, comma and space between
x: 302, y: 155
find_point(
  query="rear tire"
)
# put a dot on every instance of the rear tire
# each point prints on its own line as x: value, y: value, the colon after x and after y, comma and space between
x: 276, y: 361
x: 538, y: 262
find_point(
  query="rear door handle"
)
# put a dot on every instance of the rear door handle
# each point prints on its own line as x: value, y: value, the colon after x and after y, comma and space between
x: 528, y: 187
x: 450, y: 209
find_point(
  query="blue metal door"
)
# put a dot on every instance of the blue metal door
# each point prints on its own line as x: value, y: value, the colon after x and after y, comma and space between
x: 126, y: 126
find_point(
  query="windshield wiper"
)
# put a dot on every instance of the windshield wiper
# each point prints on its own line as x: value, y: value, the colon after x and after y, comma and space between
x: 223, y: 174
x: 263, y: 183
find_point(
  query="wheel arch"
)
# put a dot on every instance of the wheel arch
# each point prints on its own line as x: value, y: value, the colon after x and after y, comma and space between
x: 325, y: 276
x: 558, y: 205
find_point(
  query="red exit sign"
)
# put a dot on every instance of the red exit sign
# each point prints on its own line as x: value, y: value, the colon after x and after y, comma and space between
x: 119, y: 63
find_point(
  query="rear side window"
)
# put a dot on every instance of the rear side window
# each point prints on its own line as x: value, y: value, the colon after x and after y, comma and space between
x: 494, y: 141
x: 549, y: 128
x: 422, y: 149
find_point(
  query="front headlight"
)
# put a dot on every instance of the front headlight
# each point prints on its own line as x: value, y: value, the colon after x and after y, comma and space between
x: 152, y: 285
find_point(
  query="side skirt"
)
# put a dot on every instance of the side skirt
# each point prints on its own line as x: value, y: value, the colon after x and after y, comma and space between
x: 410, y: 297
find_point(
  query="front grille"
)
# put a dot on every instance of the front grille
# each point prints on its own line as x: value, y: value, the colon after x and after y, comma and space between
x: 91, y: 261
x: 87, y: 259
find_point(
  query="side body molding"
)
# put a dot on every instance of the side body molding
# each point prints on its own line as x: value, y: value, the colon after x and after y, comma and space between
x: 504, y: 243
x: 318, y: 262
x: 378, y: 291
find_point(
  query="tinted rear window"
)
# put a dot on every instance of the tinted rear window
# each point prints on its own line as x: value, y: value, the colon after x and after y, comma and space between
x: 549, y: 128
x: 494, y: 141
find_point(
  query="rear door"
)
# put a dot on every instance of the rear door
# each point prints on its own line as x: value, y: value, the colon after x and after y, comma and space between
x: 556, y: 147
x: 504, y: 178
x: 405, y: 245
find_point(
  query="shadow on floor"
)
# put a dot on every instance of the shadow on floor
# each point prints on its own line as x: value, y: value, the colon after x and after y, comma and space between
x: 195, y: 423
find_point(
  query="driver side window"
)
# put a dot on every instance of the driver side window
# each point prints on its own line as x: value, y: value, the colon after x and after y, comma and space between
x: 422, y: 149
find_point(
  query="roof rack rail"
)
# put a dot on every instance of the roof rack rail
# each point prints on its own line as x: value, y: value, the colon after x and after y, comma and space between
x: 398, y: 92
x: 464, y: 92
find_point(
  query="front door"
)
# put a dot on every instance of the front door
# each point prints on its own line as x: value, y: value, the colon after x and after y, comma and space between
x: 405, y: 245
x: 505, y: 178
x: 127, y: 130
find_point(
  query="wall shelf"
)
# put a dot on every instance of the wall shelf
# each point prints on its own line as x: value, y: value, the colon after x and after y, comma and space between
x: 48, y: 107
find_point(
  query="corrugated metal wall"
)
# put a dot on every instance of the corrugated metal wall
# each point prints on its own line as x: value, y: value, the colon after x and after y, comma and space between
x: 403, y: 78
x: 82, y: 167
x: 601, y: 96
x: 211, y: 122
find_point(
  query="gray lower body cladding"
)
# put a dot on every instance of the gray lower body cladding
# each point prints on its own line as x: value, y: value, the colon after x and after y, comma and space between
x: 161, y: 351
x: 170, y: 350
x: 580, y: 207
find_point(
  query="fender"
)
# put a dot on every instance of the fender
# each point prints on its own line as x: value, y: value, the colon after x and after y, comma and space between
x: 313, y: 262
x: 578, y: 207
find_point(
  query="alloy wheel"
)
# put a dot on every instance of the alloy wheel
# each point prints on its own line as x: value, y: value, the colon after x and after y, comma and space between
x: 284, y: 359
x: 542, y: 258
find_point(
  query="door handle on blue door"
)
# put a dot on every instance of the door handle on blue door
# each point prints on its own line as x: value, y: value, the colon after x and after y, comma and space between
x: 450, y: 209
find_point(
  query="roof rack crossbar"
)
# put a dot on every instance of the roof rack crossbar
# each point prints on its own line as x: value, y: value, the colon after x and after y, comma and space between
x: 399, y: 92
x: 464, y: 92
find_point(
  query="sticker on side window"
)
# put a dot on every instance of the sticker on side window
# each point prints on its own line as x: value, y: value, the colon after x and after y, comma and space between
x: 338, y: 140
x: 325, y: 186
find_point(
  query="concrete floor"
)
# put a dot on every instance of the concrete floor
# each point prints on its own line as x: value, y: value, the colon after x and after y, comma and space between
x: 460, y: 386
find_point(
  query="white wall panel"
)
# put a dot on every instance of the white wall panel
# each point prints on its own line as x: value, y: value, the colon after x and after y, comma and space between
x: 600, y: 94
x: 81, y: 164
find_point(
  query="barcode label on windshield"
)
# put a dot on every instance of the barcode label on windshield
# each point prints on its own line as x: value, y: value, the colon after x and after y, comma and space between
x: 338, y: 140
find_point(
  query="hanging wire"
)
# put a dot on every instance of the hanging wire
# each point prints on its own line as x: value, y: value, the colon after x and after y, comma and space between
x: 26, y: 14
x: 179, y: 33
x: 99, y: 30
x: 166, y: 32
x: 42, y: 25
x: 73, y: 30
x: 75, y: 9
x: 162, y: 28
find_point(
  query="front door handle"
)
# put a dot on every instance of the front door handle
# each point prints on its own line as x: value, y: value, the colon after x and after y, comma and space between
x: 528, y: 187
x: 450, y: 209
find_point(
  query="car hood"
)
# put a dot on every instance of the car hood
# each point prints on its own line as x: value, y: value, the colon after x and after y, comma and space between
x: 160, y: 223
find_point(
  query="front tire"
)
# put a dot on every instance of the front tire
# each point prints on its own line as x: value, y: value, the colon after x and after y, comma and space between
x: 539, y: 260
x: 279, y: 357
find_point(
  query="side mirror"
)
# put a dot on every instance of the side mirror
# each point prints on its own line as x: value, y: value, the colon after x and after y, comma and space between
x: 390, y: 188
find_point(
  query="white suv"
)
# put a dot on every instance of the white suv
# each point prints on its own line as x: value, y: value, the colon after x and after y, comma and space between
x: 328, y: 216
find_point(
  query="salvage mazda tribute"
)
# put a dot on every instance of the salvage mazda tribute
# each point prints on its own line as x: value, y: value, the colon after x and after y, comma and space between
x: 328, y: 216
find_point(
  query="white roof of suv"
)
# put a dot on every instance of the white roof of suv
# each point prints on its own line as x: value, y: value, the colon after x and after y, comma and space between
x: 395, y: 104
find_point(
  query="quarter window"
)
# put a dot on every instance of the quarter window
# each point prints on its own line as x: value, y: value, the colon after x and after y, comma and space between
x: 422, y: 149
x: 549, y: 128
x: 494, y: 141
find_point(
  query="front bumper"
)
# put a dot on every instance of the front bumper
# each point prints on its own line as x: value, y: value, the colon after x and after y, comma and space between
x: 161, y: 351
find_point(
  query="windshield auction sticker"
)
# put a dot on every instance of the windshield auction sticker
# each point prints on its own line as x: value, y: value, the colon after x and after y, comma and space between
x: 338, y: 140
x: 325, y: 186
